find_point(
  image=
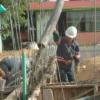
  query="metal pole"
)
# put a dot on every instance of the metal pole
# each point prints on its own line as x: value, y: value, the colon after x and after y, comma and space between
x: 24, y: 75
x: 95, y: 80
x: 0, y: 37
x: 12, y: 35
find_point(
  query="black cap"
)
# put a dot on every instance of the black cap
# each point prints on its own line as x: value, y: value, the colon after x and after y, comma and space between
x: 55, y: 36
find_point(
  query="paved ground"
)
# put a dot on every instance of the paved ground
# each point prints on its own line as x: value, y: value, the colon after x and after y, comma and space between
x: 90, y: 51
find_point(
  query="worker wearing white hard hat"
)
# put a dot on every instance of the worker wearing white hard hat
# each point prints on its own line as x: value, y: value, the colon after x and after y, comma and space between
x: 68, y: 55
x: 71, y: 32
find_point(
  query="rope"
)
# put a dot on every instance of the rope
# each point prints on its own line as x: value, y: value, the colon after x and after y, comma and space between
x: 32, y: 25
x: 95, y: 83
x: 30, y: 38
x: 28, y: 23
x: 17, y: 17
x: 15, y: 22
x: 41, y: 23
x: 12, y: 31
x: 62, y: 90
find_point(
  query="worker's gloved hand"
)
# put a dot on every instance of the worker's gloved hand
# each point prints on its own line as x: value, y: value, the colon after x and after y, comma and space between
x: 74, y: 57
x: 68, y: 62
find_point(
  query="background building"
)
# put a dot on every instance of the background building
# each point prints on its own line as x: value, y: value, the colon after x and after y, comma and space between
x: 81, y: 13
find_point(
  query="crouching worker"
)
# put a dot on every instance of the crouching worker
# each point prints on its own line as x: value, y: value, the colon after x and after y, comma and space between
x: 12, y: 66
x: 68, y: 55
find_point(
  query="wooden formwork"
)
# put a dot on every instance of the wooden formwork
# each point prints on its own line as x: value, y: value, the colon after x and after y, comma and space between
x: 67, y: 92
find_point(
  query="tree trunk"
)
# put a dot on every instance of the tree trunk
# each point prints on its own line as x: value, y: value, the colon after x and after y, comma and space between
x: 52, y: 22
x: 44, y: 40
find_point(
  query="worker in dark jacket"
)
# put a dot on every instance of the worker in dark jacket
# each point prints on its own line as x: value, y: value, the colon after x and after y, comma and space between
x: 68, y: 55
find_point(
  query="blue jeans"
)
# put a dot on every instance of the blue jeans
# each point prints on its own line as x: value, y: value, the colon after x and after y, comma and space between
x: 65, y: 74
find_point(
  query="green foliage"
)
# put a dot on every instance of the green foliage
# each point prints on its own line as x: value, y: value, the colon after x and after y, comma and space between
x: 5, y: 25
x: 5, y: 2
x: 22, y: 13
x: 17, y: 9
x: 18, y: 14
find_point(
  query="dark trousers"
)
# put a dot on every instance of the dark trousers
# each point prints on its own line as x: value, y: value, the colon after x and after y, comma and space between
x: 65, y: 74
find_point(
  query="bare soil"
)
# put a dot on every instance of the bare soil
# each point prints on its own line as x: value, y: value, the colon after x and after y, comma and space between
x: 89, y: 69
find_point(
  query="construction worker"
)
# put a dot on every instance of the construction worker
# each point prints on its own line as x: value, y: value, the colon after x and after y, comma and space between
x: 68, y: 55
x: 12, y: 65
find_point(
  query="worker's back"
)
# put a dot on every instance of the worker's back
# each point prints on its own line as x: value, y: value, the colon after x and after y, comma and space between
x: 12, y: 63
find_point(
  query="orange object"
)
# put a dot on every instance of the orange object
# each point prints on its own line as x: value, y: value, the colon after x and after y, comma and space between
x: 2, y: 73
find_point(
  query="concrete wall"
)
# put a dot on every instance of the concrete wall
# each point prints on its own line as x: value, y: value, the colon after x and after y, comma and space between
x: 88, y: 38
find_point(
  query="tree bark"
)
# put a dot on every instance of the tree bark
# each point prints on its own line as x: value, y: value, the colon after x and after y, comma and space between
x: 52, y: 22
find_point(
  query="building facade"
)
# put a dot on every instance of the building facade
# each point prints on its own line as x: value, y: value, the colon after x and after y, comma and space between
x: 84, y: 14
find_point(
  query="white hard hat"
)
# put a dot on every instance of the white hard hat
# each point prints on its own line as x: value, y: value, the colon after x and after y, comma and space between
x: 71, y: 32
x: 33, y: 45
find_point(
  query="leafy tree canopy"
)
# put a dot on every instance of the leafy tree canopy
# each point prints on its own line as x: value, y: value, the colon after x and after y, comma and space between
x: 17, y: 10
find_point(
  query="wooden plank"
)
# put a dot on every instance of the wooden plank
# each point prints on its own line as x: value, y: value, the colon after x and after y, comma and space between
x: 70, y: 92
x: 69, y: 86
x: 36, y: 95
x: 13, y: 95
x: 82, y: 94
x: 48, y: 94
x: 2, y: 84
x: 97, y: 97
